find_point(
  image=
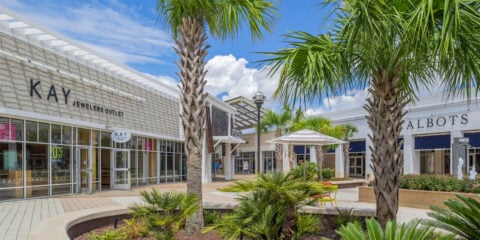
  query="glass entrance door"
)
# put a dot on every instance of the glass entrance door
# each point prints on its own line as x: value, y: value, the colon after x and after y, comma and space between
x: 84, y: 158
x: 356, y: 164
x: 121, y: 169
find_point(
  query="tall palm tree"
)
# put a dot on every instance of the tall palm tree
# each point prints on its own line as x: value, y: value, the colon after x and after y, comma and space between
x: 279, y: 122
x: 347, y: 131
x: 393, y: 48
x: 189, y: 21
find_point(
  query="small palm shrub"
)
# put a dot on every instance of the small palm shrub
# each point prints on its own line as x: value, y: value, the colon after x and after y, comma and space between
x: 345, y: 216
x: 210, y: 216
x: 308, y: 171
x: 393, y: 231
x: 164, y: 214
x: 270, y: 209
x: 462, y: 218
x: 113, y: 234
x: 328, y: 173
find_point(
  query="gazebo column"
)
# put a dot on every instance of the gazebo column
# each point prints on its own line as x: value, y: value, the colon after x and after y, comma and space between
x: 339, y: 162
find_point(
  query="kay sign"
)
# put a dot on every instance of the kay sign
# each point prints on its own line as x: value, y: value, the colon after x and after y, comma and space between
x: 121, y: 135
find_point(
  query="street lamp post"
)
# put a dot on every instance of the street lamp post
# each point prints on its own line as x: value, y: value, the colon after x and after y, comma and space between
x: 259, y: 99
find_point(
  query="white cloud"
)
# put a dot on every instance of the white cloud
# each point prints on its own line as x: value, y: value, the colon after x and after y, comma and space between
x: 113, y: 28
x: 229, y: 76
x: 166, y: 80
x: 352, y: 99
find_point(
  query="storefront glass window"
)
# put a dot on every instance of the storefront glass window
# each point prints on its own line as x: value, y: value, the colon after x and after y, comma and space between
x: 60, y: 157
x: 31, y: 131
x: 17, y: 129
x: 106, y: 139
x: 427, y: 162
x: 83, y: 136
x: 56, y: 133
x: 67, y: 135
x: 11, y: 174
x: 43, y: 132
x: 37, y: 169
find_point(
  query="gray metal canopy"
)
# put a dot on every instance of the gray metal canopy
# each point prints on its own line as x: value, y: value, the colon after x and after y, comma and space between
x: 246, y: 116
x: 306, y: 137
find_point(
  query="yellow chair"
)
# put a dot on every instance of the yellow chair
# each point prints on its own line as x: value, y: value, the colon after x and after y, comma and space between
x: 329, y: 196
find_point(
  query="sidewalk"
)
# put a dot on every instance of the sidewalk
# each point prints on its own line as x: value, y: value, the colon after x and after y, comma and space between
x: 36, y: 218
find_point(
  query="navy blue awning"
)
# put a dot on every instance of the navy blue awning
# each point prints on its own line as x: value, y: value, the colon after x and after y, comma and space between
x: 300, y: 149
x: 432, y: 142
x: 474, y: 138
x: 357, y: 146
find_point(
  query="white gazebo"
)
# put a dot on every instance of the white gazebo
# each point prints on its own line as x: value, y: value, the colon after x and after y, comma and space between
x: 304, y: 137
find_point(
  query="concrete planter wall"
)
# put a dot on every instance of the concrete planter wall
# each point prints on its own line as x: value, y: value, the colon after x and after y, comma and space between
x: 413, y: 198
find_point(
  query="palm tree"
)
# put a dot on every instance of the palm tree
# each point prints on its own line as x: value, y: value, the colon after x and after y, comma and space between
x: 271, y: 209
x: 189, y: 21
x: 279, y: 122
x: 393, y: 48
x: 347, y: 131
x: 411, y: 230
x: 164, y: 213
x: 461, y: 219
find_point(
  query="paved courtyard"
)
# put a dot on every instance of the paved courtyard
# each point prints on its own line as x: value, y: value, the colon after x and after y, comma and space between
x: 32, y: 219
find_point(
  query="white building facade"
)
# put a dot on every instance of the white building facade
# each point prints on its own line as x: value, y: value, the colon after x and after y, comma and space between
x: 430, y: 128
x: 74, y: 121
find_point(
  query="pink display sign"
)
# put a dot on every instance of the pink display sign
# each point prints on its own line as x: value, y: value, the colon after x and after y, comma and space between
x: 8, y: 131
x: 148, y: 145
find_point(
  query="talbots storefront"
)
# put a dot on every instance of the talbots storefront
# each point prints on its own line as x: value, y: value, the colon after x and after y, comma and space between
x: 431, y: 128
x: 74, y: 122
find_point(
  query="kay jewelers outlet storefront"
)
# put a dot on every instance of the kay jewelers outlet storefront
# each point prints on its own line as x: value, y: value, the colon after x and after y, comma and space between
x: 42, y: 159
x: 61, y: 110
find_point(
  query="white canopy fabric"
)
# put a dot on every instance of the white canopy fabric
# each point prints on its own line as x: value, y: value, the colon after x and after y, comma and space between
x: 306, y: 137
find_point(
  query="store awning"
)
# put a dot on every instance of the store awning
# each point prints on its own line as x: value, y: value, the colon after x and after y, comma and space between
x: 246, y: 116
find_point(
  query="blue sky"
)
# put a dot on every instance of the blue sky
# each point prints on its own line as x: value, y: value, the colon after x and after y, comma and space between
x: 127, y: 31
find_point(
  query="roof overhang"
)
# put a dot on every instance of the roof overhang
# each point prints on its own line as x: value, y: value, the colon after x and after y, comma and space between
x: 227, y: 139
x: 246, y: 116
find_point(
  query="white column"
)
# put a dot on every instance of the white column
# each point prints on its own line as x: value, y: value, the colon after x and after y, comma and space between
x: 228, y: 166
x: 368, y: 158
x: 206, y: 162
x: 339, y: 162
x: 410, y: 160
x: 313, y: 154
x: 455, y: 134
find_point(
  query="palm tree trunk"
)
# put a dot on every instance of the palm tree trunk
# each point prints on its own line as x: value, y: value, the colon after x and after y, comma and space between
x: 192, y: 49
x: 320, y: 159
x: 346, y: 160
x: 288, y: 227
x: 291, y: 155
x: 278, y: 153
x: 385, y: 119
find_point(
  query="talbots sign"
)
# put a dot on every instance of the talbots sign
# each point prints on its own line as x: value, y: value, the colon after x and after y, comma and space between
x: 121, y: 135
x: 437, y: 122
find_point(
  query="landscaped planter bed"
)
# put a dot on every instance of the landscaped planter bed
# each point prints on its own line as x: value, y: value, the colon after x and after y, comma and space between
x: 414, y: 198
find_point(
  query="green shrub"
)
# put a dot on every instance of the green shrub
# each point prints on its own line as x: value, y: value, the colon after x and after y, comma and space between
x: 210, y: 216
x: 270, y: 210
x: 308, y: 171
x: 345, y: 216
x: 328, y: 173
x: 412, y: 230
x: 113, y: 234
x: 446, y: 183
x: 461, y: 219
x: 164, y: 214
